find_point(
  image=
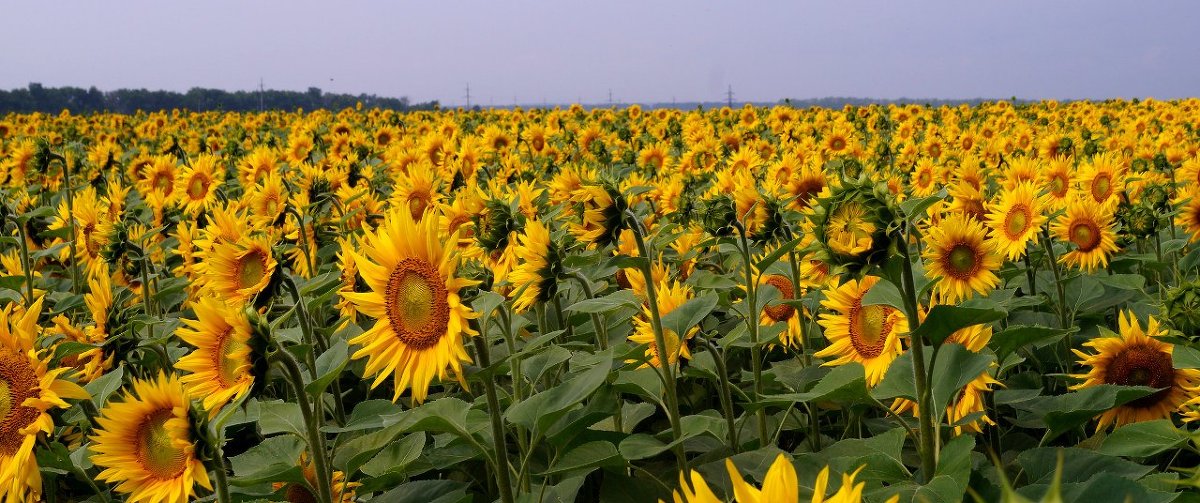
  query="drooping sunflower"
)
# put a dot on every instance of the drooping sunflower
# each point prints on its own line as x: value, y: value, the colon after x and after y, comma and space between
x: 28, y: 390
x: 671, y: 295
x: 420, y: 319
x: 536, y: 278
x: 1089, y: 227
x: 867, y: 334
x: 220, y: 367
x: 1015, y: 220
x: 239, y: 270
x: 1137, y: 357
x: 145, y: 443
x: 960, y: 258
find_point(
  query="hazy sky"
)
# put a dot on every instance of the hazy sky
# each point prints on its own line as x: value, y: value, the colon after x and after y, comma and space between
x: 643, y: 50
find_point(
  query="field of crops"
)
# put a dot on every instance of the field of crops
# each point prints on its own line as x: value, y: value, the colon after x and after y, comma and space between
x: 885, y: 303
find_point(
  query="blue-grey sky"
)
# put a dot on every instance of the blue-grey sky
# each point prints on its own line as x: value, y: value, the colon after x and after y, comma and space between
x: 643, y: 50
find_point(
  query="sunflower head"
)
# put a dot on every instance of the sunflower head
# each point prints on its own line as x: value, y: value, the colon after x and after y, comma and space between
x: 1137, y: 357
x: 960, y: 258
x: 147, y: 443
x: 850, y: 227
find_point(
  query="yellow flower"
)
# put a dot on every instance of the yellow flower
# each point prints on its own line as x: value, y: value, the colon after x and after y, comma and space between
x: 534, y: 278
x: 239, y: 270
x: 196, y: 186
x: 960, y: 259
x: 1089, y: 227
x: 145, y: 443
x: 28, y: 390
x: 780, y: 484
x: 670, y: 295
x: 866, y: 334
x: 420, y: 319
x: 1136, y: 357
x: 220, y: 366
x: 1015, y: 220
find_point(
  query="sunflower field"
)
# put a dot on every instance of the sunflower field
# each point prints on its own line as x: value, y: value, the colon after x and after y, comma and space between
x: 887, y: 303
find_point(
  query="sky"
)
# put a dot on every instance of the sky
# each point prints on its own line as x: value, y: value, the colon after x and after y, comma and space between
x: 641, y: 50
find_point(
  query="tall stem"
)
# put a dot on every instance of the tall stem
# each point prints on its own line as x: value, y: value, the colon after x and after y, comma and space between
x: 489, y: 389
x: 600, y: 328
x: 1062, y: 293
x: 66, y: 172
x: 723, y: 394
x: 752, y: 315
x: 312, y: 422
x: 928, y: 440
x: 222, y: 485
x: 664, y: 367
x: 25, y: 263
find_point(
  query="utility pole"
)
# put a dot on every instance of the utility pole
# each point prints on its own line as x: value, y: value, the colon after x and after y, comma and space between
x: 610, y: 103
x: 729, y: 96
x: 468, y: 95
x: 260, y: 94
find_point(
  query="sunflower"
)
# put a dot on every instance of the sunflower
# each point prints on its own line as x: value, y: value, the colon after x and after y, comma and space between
x: 923, y: 179
x: 144, y: 442
x: 420, y: 319
x: 671, y: 295
x: 1056, y: 178
x: 960, y: 258
x: 28, y: 390
x: 780, y: 484
x: 1015, y: 220
x: 857, y: 333
x: 780, y: 312
x: 196, y: 186
x: 1089, y: 227
x: 535, y: 278
x: 697, y: 492
x: 1136, y: 357
x: 1188, y: 204
x: 220, y: 366
x: 1102, y: 178
x: 343, y: 491
x: 849, y: 231
x: 239, y: 270
x: 600, y: 211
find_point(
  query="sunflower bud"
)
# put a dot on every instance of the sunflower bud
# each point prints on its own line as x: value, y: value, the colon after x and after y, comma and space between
x: 1182, y: 309
x: 719, y: 215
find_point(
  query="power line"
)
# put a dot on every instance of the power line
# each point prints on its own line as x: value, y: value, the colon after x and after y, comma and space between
x: 729, y: 96
x: 468, y: 95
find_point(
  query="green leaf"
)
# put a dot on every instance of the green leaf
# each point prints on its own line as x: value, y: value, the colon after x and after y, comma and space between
x: 1123, y: 281
x: 276, y: 459
x: 369, y: 415
x: 329, y: 367
x: 585, y: 457
x: 688, y: 315
x: 1144, y: 439
x: 942, y: 321
x: 774, y: 256
x: 845, y: 384
x: 1015, y: 337
x: 543, y: 409
x: 641, y: 446
x: 898, y: 382
x: 1185, y: 357
x: 953, y: 472
x: 1079, y: 465
x: 954, y: 368
x: 914, y: 208
x: 884, y: 292
x: 446, y: 415
x: 396, y: 456
x: 428, y: 491
x: 72, y: 348
x: 105, y: 385
x: 607, y: 303
x: 486, y: 302
x: 1065, y: 412
x: 278, y: 416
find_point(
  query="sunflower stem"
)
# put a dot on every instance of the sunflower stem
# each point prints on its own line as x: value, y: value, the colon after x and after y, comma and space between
x: 601, y: 329
x: 319, y: 343
x: 66, y: 172
x: 752, y: 323
x: 25, y: 263
x: 928, y: 440
x: 1029, y: 275
x: 723, y: 393
x: 312, y: 422
x: 665, y: 369
x: 308, y: 256
x: 1062, y: 293
x: 489, y: 388
x: 222, y: 485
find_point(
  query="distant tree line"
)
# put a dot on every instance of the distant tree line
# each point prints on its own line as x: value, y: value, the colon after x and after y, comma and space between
x: 38, y: 98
